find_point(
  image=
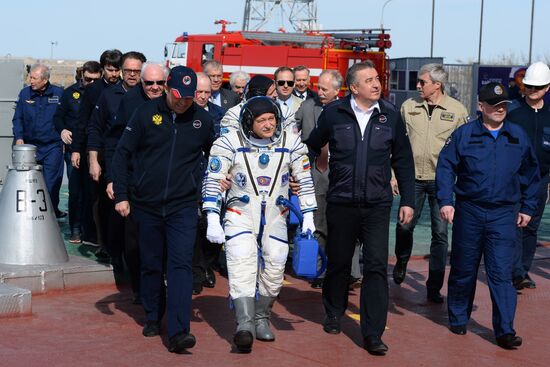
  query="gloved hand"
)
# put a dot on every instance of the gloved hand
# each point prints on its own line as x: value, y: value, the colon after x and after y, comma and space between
x: 214, y: 232
x: 307, y: 223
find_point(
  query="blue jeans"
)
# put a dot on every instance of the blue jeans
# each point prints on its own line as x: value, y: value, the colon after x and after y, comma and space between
x: 439, y: 244
x: 169, y: 240
x: 526, y: 243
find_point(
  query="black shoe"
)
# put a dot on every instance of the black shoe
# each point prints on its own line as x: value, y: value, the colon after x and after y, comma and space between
x: 331, y: 325
x: 180, y: 342
x: 399, y: 271
x: 136, y: 300
x: 317, y: 283
x: 75, y: 238
x: 435, y: 297
x: 197, y: 288
x: 509, y: 341
x: 458, y: 329
x: 209, y: 278
x: 59, y: 214
x: 243, y: 340
x: 375, y: 345
x: 101, y: 254
x: 518, y: 283
x: 528, y: 283
x: 151, y: 328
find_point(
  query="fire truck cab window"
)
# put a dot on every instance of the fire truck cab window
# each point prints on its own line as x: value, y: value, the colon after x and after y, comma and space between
x: 207, y: 52
x: 181, y: 50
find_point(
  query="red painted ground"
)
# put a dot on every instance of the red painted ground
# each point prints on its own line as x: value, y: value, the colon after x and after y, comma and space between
x: 100, y: 327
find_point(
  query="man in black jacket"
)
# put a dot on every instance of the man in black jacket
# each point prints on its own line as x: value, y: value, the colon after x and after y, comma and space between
x: 166, y: 140
x: 366, y: 139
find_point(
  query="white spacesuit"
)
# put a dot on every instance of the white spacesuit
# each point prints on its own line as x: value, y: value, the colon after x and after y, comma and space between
x: 255, y: 230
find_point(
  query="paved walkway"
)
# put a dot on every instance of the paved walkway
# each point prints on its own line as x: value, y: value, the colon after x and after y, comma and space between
x: 101, y: 327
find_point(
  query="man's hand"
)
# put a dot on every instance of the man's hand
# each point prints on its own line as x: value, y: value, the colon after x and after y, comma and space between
x: 109, y: 191
x: 67, y: 136
x: 225, y: 184
x: 405, y: 214
x: 523, y: 220
x: 447, y: 213
x: 394, y: 187
x: 75, y: 159
x: 95, y: 168
x: 123, y: 208
x: 294, y: 186
x: 214, y: 231
x: 19, y: 142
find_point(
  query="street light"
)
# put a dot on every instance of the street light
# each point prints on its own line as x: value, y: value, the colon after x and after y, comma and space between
x: 382, y: 14
x: 480, y: 34
x: 53, y: 43
x: 433, y: 20
x: 531, y: 33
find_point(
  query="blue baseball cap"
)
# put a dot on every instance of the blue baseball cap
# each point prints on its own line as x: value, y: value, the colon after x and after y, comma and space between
x: 182, y: 82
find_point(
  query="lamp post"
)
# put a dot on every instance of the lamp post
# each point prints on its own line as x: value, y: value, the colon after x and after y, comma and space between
x: 480, y: 34
x: 531, y: 33
x: 52, y: 43
x: 382, y: 14
x: 433, y: 22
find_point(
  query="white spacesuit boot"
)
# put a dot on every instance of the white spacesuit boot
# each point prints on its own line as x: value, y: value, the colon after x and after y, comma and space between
x: 244, y: 314
x: 261, y: 319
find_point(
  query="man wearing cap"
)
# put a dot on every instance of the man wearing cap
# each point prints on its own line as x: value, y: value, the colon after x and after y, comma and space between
x: 534, y: 116
x: 166, y: 140
x: 490, y: 167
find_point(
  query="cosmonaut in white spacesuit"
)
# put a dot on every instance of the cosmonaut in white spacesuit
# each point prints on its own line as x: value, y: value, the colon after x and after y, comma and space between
x: 260, y: 157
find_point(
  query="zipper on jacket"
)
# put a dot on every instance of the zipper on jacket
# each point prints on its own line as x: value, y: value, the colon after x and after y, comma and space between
x: 174, y: 136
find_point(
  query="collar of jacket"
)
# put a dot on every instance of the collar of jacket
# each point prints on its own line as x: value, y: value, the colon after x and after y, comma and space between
x: 163, y: 106
x: 480, y: 129
x: 545, y: 106
x: 443, y: 103
x: 47, y: 92
x: 345, y: 105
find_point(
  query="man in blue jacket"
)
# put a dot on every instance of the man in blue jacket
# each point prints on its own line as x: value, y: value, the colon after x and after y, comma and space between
x: 366, y: 138
x: 167, y: 139
x: 33, y: 124
x: 492, y: 170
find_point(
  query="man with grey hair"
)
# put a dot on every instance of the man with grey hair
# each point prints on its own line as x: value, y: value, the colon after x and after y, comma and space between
x: 238, y: 81
x: 33, y: 123
x: 330, y: 83
x: 220, y: 96
x: 430, y: 119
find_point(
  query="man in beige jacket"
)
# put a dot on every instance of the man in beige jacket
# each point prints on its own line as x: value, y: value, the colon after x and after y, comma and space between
x: 430, y: 119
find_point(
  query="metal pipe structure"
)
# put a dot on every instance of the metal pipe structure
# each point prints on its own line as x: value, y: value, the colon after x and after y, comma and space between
x: 531, y: 33
x: 480, y: 34
x: 433, y: 22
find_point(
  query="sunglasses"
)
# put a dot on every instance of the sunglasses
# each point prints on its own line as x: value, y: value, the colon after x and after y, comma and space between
x: 281, y: 83
x: 131, y: 71
x: 422, y: 82
x: 151, y: 82
x: 537, y: 87
x: 90, y: 80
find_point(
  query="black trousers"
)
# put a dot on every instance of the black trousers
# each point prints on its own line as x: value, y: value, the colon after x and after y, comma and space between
x: 369, y: 225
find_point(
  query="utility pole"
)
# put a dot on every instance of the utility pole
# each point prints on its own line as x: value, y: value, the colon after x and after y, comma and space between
x: 531, y: 33
x: 433, y: 22
x: 480, y: 34
x: 52, y: 43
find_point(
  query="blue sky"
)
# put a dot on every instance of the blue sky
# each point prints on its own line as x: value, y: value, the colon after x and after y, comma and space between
x: 28, y: 27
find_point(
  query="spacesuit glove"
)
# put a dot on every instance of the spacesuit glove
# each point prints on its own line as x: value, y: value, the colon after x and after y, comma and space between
x: 214, y: 232
x: 307, y: 224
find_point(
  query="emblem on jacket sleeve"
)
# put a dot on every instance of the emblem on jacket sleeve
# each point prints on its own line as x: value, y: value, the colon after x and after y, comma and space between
x: 284, y: 179
x: 240, y: 179
x: 76, y: 95
x: 215, y: 165
x: 305, y: 164
x: 157, y: 119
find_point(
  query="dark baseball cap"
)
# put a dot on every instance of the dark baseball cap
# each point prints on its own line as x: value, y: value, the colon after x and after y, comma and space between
x: 182, y: 81
x: 493, y: 93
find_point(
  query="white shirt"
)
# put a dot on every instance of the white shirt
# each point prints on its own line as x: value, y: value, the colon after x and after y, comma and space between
x: 363, y: 117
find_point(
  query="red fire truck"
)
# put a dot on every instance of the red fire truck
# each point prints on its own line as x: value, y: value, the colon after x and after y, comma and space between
x: 262, y: 52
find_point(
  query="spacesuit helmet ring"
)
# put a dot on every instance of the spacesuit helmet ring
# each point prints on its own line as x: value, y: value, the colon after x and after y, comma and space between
x: 253, y: 108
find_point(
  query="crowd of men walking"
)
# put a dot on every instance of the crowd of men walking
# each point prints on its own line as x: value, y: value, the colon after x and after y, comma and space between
x: 158, y: 159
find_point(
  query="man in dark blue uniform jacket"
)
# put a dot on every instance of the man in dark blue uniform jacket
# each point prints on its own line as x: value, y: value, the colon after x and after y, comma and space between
x: 492, y: 170
x: 166, y: 139
x: 33, y: 124
x: 366, y: 138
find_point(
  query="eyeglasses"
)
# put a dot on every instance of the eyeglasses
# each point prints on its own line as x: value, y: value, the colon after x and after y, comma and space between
x: 131, y: 71
x: 281, y: 83
x: 421, y: 82
x: 152, y: 82
x: 89, y: 80
x: 537, y: 87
